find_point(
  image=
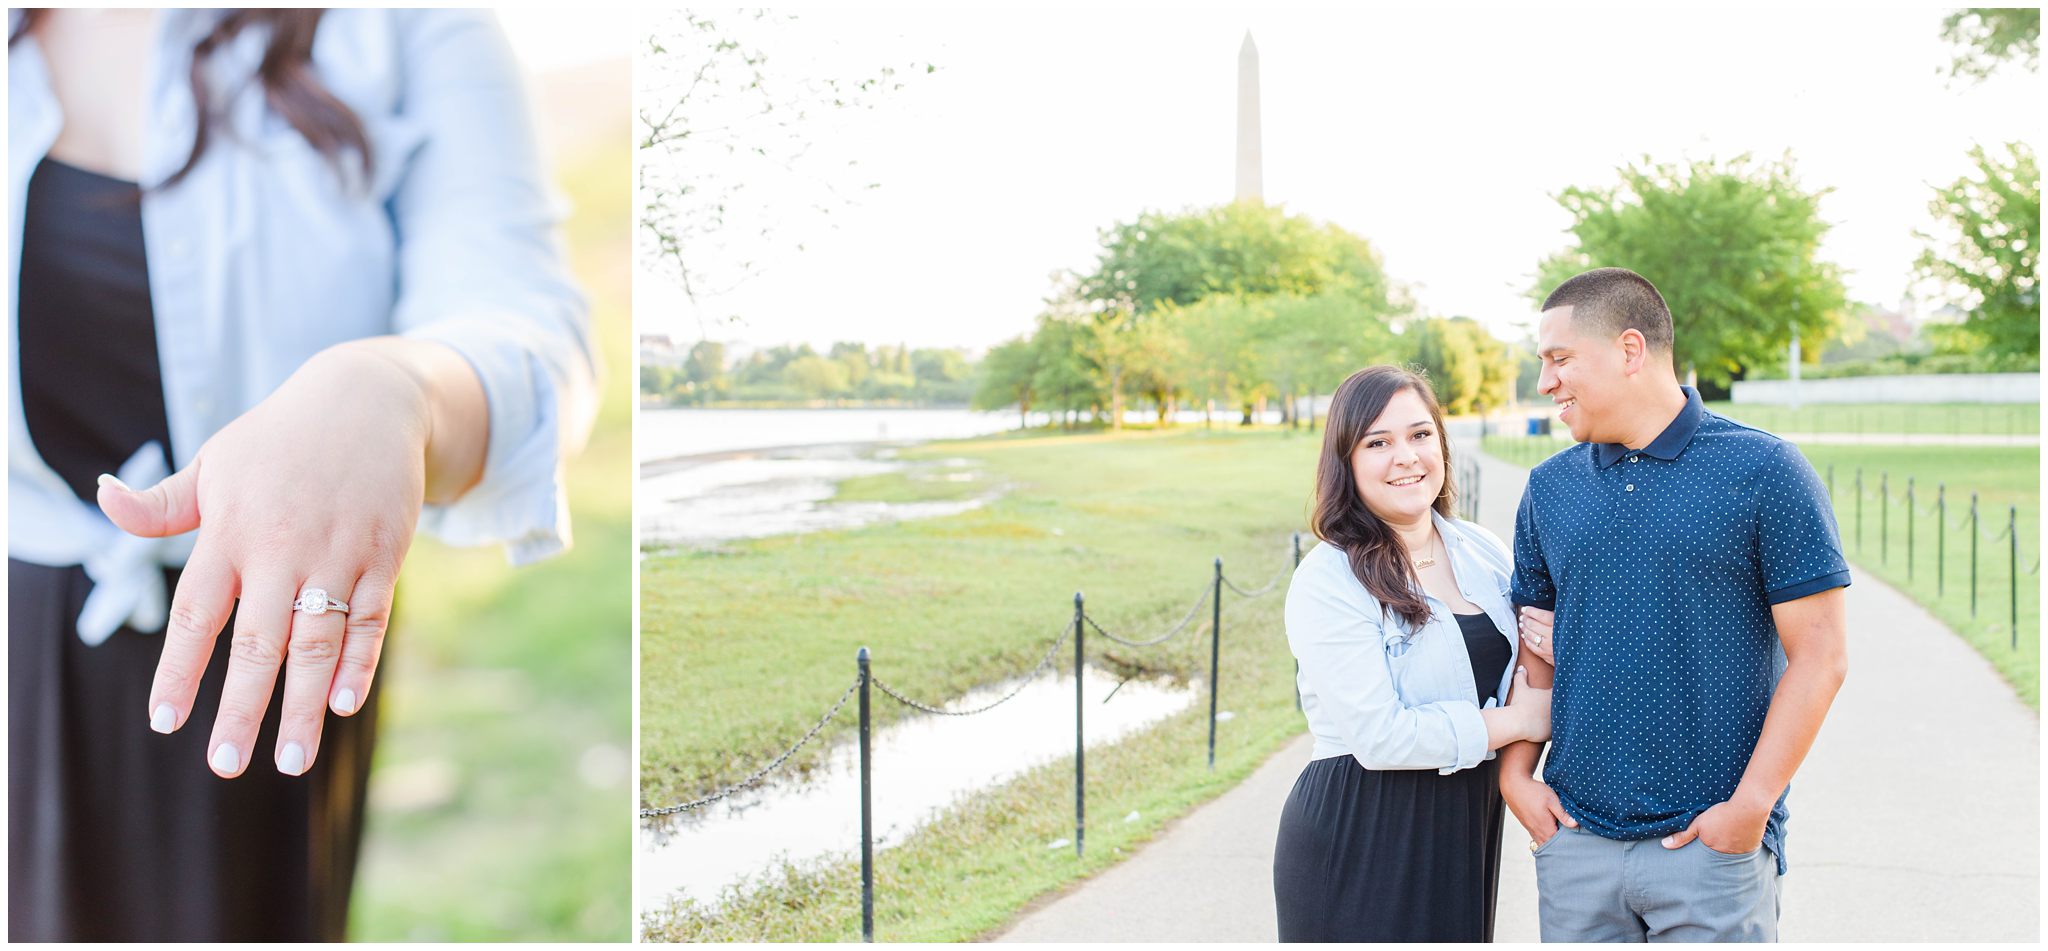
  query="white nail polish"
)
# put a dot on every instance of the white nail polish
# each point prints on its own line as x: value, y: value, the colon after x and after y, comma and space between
x: 292, y: 761
x: 344, y: 701
x: 226, y: 759
x: 108, y: 478
x: 164, y: 720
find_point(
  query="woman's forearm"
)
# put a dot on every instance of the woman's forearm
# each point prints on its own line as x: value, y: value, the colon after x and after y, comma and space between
x: 1505, y: 726
x: 450, y: 405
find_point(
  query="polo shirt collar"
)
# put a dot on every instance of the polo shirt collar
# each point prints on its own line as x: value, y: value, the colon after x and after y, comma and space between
x: 1669, y: 443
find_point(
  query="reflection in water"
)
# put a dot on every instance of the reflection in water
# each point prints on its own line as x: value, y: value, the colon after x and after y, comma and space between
x: 756, y: 494
x: 920, y: 766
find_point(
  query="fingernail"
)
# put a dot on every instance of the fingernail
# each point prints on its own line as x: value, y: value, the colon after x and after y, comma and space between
x: 164, y: 720
x: 344, y: 701
x: 108, y: 478
x: 1667, y: 841
x: 292, y: 761
x: 226, y: 759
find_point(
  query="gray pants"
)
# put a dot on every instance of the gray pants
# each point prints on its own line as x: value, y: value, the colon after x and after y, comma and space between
x: 1591, y: 888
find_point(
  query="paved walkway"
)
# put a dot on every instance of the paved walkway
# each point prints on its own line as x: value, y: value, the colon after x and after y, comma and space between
x: 1915, y: 818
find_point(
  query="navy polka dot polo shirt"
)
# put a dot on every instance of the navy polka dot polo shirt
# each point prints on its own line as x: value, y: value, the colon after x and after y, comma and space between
x: 1662, y: 565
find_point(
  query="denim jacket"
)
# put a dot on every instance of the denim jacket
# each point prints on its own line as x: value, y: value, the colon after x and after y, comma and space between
x: 267, y: 253
x: 1394, y: 697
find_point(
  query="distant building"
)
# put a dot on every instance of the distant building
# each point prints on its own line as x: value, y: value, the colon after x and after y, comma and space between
x: 660, y: 350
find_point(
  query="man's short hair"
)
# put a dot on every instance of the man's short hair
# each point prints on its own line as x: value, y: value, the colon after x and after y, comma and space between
x: 1614, y: 299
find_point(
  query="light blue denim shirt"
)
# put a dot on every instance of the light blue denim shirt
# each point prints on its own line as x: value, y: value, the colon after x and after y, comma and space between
x: 266, y: 254
x: 1392, y: 697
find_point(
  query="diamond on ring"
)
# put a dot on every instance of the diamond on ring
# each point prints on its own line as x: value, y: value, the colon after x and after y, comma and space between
x: 314, y: 602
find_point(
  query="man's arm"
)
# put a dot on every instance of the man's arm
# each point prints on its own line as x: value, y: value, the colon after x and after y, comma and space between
x: 1533, y: 802
x: 1814, y: 631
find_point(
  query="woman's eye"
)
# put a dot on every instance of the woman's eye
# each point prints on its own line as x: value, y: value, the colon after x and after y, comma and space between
x: 1423, y: 434
x: 1375, y: 444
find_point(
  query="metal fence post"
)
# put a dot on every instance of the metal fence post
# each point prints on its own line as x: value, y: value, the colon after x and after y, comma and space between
x: 1974, y: 533
x: 1297, y: 661
x: 1884, y: 519
x: 1859, y: 506
x: 1215, y: 651
x: 867, y: 828
x: 1831, y: 480
x: 1940, y: 540
x: 1080, y: 748
x: 1910, y: 511
x: 2012, y: 534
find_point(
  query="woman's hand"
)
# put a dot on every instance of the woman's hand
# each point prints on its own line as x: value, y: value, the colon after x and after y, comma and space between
x: 319, y: 486
x: 1535, y: 625
x: 1531, y: 706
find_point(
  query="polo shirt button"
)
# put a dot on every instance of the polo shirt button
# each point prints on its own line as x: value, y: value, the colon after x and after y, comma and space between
x: 1631, y: 487
x: 1635, y: 458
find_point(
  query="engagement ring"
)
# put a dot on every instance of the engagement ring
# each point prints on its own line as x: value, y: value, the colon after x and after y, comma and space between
x: 315, y: 601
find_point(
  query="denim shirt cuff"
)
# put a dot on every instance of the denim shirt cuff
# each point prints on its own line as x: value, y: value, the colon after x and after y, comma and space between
x: 1469, y: 730
x: 521, y: 500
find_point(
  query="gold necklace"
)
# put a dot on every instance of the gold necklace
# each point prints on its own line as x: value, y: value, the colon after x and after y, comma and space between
x: 1428, y: 560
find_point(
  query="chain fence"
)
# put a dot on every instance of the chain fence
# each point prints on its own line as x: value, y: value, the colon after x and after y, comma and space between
x: 1081, y: 621
x: 1865, y: 503
x: 761, y: 773
x: 1024, y: 681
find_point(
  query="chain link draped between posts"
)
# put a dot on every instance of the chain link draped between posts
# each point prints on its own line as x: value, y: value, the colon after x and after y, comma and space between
x: 1211, y: 596
x: 1262, y: 590
x: 761, y: 773
x: 1028, y: 677
x: 1970, y: 523
x: 1876, y: 490
x: 1182, y: 625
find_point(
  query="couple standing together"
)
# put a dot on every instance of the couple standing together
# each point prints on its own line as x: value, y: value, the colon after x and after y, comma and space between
x: 1676, y: 584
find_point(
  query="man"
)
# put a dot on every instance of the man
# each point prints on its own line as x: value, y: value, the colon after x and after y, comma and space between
x: 1695, y: 574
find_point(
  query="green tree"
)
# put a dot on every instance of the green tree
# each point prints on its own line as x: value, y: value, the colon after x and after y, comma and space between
x: 1448, y: 353
x: 704, y: 369
x: 1990, y: 264
x: 1153, y: 269
x: 1007, y: 375
x: 1991, y: 37
x: 1312, y: 342
x: 816, y: 377
x: 1065, y: 382
x: 1497, y: 371
x: 1240, y: 248
x: 657, y: 380
x: 1731, y: 246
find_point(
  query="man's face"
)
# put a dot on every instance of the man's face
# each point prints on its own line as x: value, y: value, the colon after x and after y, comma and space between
x: 1585, y: 374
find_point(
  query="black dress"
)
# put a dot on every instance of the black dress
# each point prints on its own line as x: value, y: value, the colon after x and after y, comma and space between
x: 116, y: 833
x: 1395, y: 855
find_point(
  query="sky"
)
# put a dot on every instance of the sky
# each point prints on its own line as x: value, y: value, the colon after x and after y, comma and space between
x: 1442, y: 136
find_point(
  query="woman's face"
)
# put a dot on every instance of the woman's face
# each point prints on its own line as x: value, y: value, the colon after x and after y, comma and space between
x: 1399, y: 465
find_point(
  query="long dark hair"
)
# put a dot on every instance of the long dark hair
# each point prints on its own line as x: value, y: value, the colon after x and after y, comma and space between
x: 1341, y: 518
x: 286, y: 72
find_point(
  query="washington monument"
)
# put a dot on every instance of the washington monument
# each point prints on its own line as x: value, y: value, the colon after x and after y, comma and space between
x: 1249, y: 175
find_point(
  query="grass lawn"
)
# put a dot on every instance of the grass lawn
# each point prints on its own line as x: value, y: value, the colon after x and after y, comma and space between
x: 499, y: 794
x: 744, y: 647
x: 2005, y: 478
x: 1998, y: 419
